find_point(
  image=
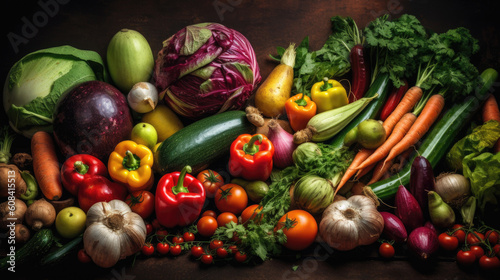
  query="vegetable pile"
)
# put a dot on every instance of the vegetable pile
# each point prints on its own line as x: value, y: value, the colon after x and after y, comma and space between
x: 184, y: 161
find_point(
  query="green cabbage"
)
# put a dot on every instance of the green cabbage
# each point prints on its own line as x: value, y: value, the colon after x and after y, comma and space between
x: 35, y: 84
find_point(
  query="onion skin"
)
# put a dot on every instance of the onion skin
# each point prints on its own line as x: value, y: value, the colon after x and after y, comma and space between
x: 408, y: 209
x: 394, y: 228
x: 423, y: 242
x: 283, y: 144
x: 421, y: 181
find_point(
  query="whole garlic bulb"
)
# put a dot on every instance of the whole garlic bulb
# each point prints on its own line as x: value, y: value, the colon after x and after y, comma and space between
x: 113, y: 232
x: 143, y: 97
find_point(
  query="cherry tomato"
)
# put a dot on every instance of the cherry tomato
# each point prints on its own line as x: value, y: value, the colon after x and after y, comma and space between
x: 210, y: 213
x: 214, y: 244
x: 240, y: 257
x: 161, y: 233
x: 226, y: 217
x: 149, y: 228
x: 197, y: 251
x: 207, y: 259
x: 177, y: 240
x: 233, y: 249
x: 188, y: 236
x: 300, y: 229
x: 207, y: 226
x: 221, y: 252
x: 211, y: 181
x: 250, y: 213
x: 175, y: 250
x: 496, y: 250
x: 83, y: 257
x: 474, y: 238
x: 493, y: 236
x: 231, y: 198
x: 448, y: 242
x: 386, y: 250
x: 477, y: 250
x: 489, y: 263
x: 156, y: 224
x: 147, y: 249
x: 466, y: 258
x: 162, y: 248
x: 141, y: 202
x: 459, y: 233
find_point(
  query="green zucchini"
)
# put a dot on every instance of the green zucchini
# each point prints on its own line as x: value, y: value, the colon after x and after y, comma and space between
x: 36, y: 247
x: 441, y: 137
x: 58, y: 255
x: 202, y: 142
x: 380, y: 86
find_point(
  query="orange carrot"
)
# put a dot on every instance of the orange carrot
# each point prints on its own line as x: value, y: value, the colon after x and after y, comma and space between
x: 492, y: 112
x: 351, y: 170
x: 397, y: 134
x: 363, y: 171
x: 411, y: 97
x: 427, y: 117
x: 46, y: 165
x: 380, y: 169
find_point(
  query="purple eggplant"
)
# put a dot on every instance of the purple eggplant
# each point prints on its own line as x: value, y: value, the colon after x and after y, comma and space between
x: 423, y: 242
x: 421, y: 181
x: 394, y: 229
x: 408, y: 209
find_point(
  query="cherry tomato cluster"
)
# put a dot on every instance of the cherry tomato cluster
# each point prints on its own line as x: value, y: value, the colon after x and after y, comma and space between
x: 479, y: 246
x: 216, y: 249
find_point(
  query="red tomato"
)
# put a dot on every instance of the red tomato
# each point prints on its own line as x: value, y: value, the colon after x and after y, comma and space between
x: 207, y: 259
x: 197, y: 251
x: 226, y: 217
x: 207, y: 226
x: 83, y: 257
x: 210, y: 213
x: 149, y: 228
x: 211, y: 181
x: 161, y: 233
x: 240, y: 257
x: 175, y: 250
x: 466, y: 258
x: 496, y: 250
x: 386, y: 250
x: 459, y: 233
x: 492, y: 236
x: 477, y: 250
x: 147, y: 249
x: 142, y: 203
x: 162, y: 248
x: 489, y: 263
x: 221, y: 252
x: 300, y: 229
x: 231, y: 198
x: 233, y: 249
x: 214, y: 244
x: 188, y: 236
x: 177, y: 240
x: 156, y: 224
x: 448, y: 242
x: 474, y: 238
x: 250, y: 213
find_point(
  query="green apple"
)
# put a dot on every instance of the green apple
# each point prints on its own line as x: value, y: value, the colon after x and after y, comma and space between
x: 145, y: 134
x: 70, y: 222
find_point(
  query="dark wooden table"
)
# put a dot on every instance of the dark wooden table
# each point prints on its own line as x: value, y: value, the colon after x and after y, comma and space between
x: 266, y: 24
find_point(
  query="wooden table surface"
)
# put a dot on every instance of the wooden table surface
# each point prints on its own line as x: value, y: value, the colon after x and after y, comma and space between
x: 267, y: 24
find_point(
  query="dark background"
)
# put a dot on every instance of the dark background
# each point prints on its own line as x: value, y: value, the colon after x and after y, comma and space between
x: 267, y: 24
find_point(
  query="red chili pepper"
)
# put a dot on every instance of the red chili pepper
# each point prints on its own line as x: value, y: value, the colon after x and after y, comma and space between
x: 393, y: 100
x: 251, y: 157
x: 179, y: 199
x: 79, y: 167
x: 360, y: 73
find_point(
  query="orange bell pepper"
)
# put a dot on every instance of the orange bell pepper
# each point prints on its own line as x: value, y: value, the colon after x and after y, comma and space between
x: 299, y: 110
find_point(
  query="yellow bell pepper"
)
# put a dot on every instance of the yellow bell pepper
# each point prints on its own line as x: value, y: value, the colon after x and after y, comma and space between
x: 131, y: 163
x: 328, y: 94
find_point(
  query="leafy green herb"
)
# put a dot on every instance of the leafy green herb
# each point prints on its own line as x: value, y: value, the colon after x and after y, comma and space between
x: 295, y: 267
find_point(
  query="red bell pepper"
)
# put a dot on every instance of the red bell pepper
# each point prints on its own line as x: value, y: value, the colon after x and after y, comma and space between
x: 179, y: 198
x: 79, y: 167
x: 98, y: 188
x: 251, y: 157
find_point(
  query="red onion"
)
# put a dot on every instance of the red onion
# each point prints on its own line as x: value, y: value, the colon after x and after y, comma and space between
x: 430, y: 225
x: 408, y: 210
x: 394, y: 228
x: 421, y: 181
x: 423, y: 242
x: 283, y: 144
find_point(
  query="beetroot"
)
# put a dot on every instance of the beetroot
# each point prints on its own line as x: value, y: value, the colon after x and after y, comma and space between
x: 92, y: 118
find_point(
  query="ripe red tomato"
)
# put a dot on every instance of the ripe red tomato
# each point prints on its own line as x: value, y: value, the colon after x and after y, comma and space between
x: 489, y: 263
x: 188, y: 236
x: 207, y: 259
x: 210, y: 213
x: 211, y: 181
x: 226, y: 217
x: 240, y: 257
x: 147, y: 249
x: 161, y: 233
x: 496, y: 250
x: 175, y: 250
x: 162, y: 248
x: 221, y: 252
x: 214, y: 244
x: 197, y: 251
x: 149, y: 228
x: 250, y: 213
x: 83, y: 257
x: 386, y: 250
x: 156, y: 224
x: 493, y: 236
x: 231, y: 198
x: 459, y: 233
x: 466, y: 258
x: 448, y: 242
x: 233, y: 249
x: 477, y: 250
x: 207, y: 226
x: 142, y: 203
x: 474, y: 238
x: 177, y: 240
x: 300, y: 229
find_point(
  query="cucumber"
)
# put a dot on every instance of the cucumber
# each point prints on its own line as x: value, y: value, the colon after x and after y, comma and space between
x: 36, y: 247
x: 441, y: 137
x: 380, y: 86
x: 202, y: 142
x: 58, y: 255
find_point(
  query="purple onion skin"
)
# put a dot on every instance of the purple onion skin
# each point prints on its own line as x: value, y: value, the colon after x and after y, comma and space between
x: 394, y: 229
x: 430, y: 225
x: 421, y: 181
x: 408, y: 209
x: 423, y: 242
